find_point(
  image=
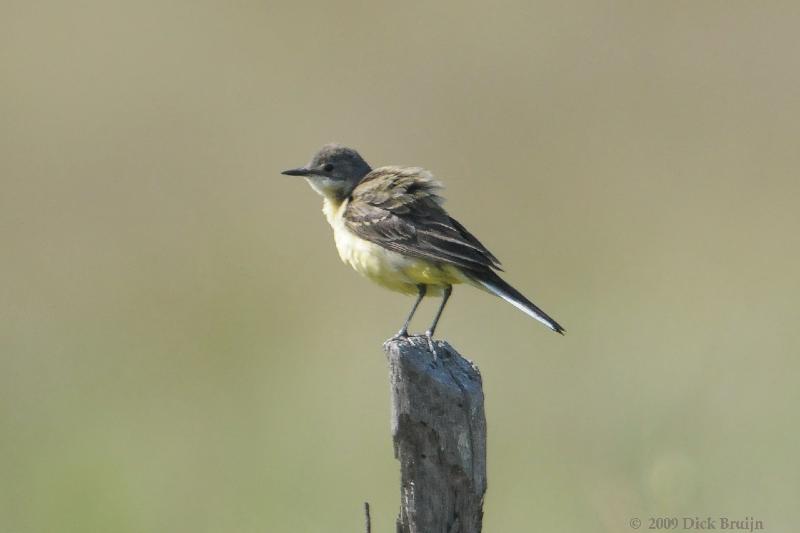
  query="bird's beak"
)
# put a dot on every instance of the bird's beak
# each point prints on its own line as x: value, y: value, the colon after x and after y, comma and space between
x: 302, y: 171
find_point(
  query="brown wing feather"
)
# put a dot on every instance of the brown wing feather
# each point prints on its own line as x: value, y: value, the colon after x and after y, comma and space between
x: 400, y: 209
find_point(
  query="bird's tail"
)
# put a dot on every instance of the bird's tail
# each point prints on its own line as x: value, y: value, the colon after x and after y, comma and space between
x: 493, y: 283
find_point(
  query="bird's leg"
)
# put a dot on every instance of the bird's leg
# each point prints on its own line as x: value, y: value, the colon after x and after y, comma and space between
x: 403, y: 333
x: 429, y: 334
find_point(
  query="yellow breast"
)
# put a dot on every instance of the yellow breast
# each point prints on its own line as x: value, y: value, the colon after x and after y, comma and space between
x: 390, y: 269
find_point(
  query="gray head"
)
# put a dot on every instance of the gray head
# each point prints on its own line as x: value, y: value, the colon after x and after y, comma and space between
x: 334, y: 171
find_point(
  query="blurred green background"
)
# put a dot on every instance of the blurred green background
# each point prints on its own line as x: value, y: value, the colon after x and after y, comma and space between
x: 182, y: 350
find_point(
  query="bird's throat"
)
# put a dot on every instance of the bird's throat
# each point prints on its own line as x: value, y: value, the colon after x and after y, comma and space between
x: 332, y: 207
x: 331, y: 190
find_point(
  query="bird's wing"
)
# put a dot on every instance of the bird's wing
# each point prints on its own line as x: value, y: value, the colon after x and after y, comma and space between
x: 399, y: 208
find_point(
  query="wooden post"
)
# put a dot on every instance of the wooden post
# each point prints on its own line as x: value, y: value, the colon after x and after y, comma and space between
x: 439, y: 432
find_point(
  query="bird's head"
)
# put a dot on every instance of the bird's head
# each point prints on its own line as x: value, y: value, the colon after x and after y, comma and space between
x: 334, y: 171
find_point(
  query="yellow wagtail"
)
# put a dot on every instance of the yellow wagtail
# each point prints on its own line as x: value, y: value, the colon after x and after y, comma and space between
x: 390, y: 226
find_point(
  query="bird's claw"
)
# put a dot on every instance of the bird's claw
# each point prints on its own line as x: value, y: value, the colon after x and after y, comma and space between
x: 403, y: 335
x: 431, y: 344
x: 400, y: 335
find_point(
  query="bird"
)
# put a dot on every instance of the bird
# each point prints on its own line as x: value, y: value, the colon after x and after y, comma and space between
x: 390, y: 226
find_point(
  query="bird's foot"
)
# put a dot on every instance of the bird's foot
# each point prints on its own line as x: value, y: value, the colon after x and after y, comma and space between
x: 400, y: 335
x: 431, y: 344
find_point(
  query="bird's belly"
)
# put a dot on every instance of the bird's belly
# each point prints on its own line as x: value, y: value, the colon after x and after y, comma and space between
x: 393, y: 270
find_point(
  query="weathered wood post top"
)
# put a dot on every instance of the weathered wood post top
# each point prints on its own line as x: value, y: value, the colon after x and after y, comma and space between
x: 439, y: 432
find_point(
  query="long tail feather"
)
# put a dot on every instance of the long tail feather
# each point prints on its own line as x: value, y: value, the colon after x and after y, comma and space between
x: 497, y: 286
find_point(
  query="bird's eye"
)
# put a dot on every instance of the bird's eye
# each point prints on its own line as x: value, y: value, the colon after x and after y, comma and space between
x: 328, y: 167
